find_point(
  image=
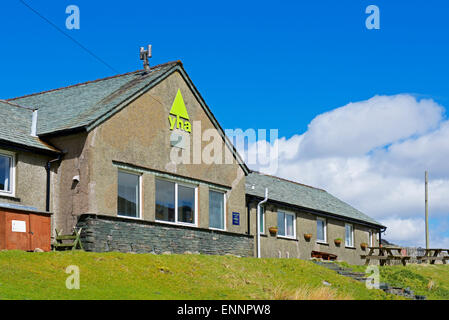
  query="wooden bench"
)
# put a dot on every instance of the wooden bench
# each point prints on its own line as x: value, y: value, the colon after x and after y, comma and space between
x: 75, y: 244
x: 424, y: 258
x: 385, y: 254
x: 403, y: 259
x: 433, y: 255
x: 324, y: 255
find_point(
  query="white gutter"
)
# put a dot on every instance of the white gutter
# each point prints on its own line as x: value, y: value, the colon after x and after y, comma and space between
x: 258, y: 221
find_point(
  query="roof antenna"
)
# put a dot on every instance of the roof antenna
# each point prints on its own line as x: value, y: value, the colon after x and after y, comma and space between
x: 144, y: 56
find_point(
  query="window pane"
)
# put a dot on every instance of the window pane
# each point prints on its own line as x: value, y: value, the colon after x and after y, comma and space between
x: 216, y: 210
x: 186, y: 204
x: 165, y: 200
x: 289, y: 221
x: 281, y: 223
x: 320, y: 230
x: 128, y: 194
x: 348, y: 241
x: 5, y: 169
x: 262, y: 217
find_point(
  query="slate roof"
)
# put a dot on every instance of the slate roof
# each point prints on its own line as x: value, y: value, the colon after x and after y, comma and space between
x: 15, y: 126
x: 304, y: 196
x: 82, y: 104
x: 85, y: 105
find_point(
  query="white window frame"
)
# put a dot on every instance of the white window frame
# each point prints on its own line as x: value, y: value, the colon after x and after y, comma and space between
x: 352, y: 235
x: 285, y: 224
x: 324, y: 232
x: 185, y: 184
x: 139, y: 174
x: 371, y: 238
x: 224, y: 209
x: 12, y: 174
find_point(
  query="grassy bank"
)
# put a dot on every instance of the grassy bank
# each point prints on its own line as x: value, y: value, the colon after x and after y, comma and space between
x: 429, y: 280
x: 144, y: 276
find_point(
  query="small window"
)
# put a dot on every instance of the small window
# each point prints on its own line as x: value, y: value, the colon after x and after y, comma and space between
x: 186, y: 204
x: 262, y: 220
x: 216, y: 210
x: 175, y: 202
x: 321, y: 235
x: 370, y: 238
x: 6, y: 173
x: 128, y: 195
x: 286, y: 224
x: 165, y: 200
x: 349, y: 237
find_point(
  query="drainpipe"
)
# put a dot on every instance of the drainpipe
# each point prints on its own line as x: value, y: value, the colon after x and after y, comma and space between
x: 47, y: 168
x: 258, y: 221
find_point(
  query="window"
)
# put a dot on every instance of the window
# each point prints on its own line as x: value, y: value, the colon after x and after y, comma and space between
x: 262, y: 220
x: 321, y: 235
x: 128, y: 195
x: 186, y: 204
x: 216, y: 210
x: 175, y: 202
x: 7, y: 166
x: 349, y: 236
x: 286, y: 224
x: 370, y: 238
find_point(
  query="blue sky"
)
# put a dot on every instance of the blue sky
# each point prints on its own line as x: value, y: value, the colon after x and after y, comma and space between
x: 305, y: 57
x: 275, y: 64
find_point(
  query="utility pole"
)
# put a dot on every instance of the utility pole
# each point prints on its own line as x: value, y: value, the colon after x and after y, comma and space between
x: 427, y: 210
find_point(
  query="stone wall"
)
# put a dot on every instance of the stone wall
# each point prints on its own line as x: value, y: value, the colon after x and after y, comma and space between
x: 105, y: 233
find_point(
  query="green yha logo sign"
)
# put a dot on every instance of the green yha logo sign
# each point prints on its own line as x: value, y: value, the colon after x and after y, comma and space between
x: 180, y: 116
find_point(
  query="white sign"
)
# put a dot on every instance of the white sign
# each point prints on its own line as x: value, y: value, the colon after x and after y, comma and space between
x: 19, y: 226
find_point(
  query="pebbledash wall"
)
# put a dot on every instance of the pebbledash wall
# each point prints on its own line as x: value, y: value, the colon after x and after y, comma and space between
x: 105, y: 233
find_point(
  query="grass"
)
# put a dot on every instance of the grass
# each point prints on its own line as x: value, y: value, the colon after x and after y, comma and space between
x: 124, y: 276
x: 429, y: 280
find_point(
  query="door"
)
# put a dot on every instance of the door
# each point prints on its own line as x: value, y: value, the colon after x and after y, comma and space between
x: 40, y: 232
x: 17, y: 231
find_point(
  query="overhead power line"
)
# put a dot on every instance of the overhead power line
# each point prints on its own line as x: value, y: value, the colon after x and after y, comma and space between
x: 69, y: 36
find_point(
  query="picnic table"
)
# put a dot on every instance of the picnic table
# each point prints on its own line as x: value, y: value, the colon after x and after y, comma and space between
x: 385, y: 254
x: 433, y: 255
x: 324, y: 255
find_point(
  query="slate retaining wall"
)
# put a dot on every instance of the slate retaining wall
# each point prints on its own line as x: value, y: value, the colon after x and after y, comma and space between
x: 106, y: 233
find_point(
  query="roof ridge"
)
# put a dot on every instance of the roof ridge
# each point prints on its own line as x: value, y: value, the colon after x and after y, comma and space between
x: 291, y: 181
x: 17, y: 105
x: 93, y: 81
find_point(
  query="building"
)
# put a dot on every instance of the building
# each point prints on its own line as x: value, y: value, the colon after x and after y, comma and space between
x: 119, y: 157
x: 299, y: 210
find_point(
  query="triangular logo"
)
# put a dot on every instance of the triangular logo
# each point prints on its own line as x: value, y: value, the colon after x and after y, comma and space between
x: 179, y: 108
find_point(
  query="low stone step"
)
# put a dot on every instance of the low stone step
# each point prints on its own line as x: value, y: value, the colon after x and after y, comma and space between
x: 353, y: 275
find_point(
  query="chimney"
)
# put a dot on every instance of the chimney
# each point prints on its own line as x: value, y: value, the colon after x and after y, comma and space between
x: 34, y: 123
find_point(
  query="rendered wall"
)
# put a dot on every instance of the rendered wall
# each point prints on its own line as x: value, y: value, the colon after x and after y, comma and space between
x: 30, y: 180
x: 274, y: 246
x: 139, y: 136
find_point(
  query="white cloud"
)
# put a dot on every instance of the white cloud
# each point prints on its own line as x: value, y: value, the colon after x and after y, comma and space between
x: 360, y: 127
x: 372, y: 154
x: 405, y: 231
